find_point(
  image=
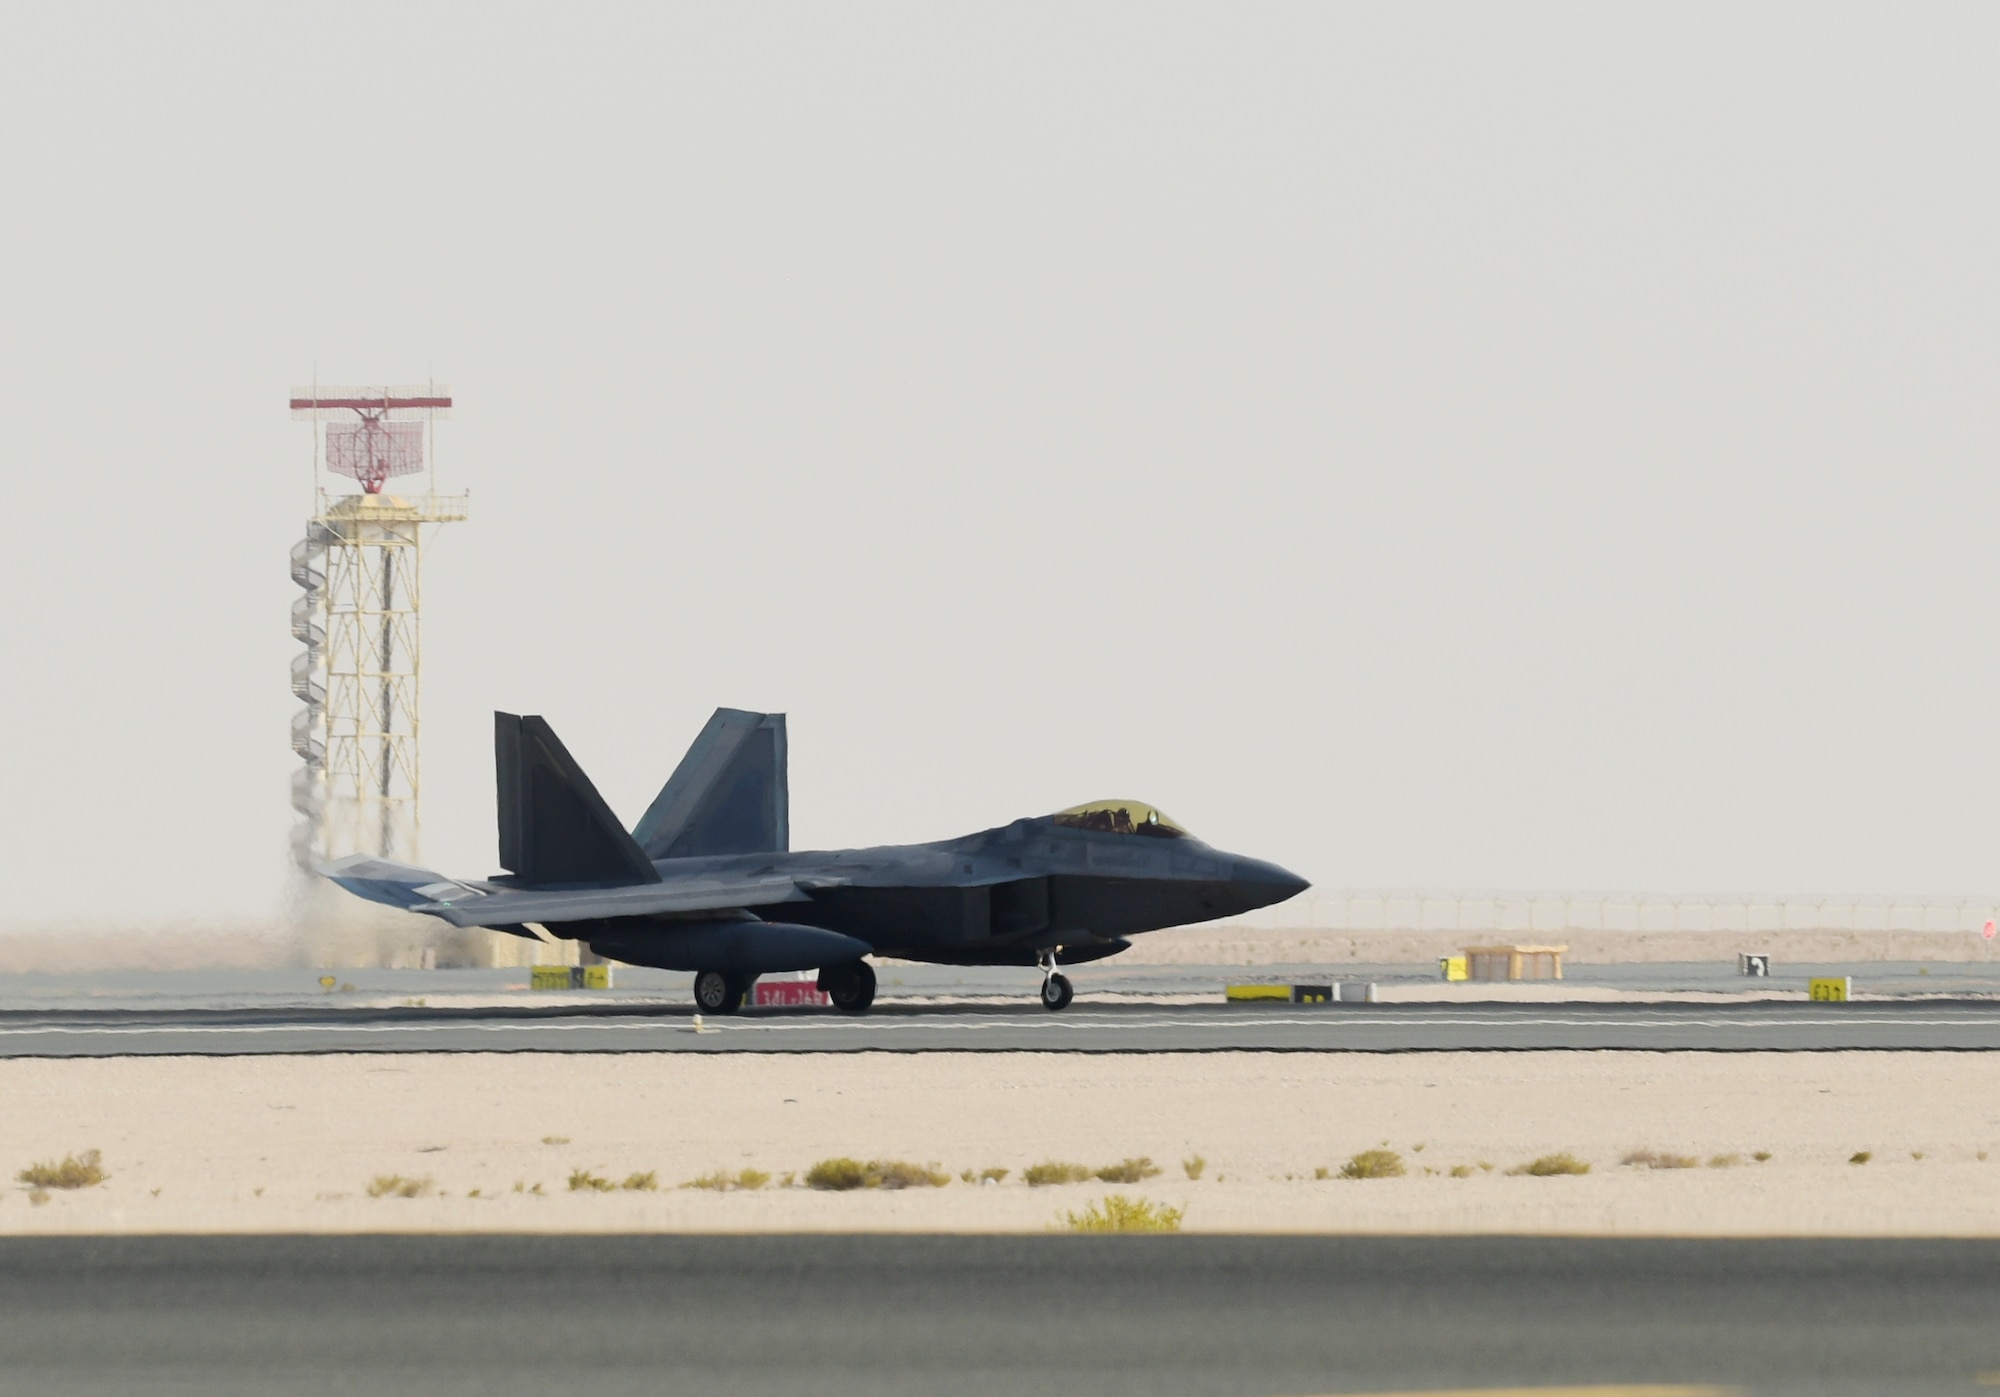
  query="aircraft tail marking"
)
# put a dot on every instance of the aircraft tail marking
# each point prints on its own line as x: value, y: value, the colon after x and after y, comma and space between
x: 554, y: 826
x: 730, y: 795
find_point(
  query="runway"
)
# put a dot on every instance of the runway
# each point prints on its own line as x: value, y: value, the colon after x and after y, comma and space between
x: 1756, y: 1026
x: 836, y: 1315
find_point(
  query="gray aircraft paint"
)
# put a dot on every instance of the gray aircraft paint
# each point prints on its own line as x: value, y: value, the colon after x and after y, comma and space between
x: 706, y: 882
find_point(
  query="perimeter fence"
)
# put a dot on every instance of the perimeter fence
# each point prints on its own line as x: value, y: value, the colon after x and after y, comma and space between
x: 1525, y: 914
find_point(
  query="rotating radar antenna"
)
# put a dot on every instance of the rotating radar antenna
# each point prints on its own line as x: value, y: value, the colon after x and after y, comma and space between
x: 385, y: 436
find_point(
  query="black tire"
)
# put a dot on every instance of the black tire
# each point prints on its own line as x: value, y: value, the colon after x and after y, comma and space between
x: 1057, y: 992
x: 851, y: 987
x: 717, y: 993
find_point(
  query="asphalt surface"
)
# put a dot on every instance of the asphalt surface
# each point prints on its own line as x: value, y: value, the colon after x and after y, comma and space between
x: 299, y: 987
x: 1922, y: 1025
x: 1160, y: 1316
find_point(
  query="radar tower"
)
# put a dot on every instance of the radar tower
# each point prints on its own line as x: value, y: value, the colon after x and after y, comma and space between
x: 359, y: 618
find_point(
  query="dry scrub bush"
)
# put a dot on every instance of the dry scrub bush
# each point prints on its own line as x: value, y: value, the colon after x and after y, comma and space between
x: 1461, y: 1171
x: 1373, y: 1164
x: 1551, y: 1165
x: 583, y: 1181
x: 985, y: 1176
x: 1761, y: 1156
x: 1117, y: 1213
x: 899, y: 1173
x: 397, y: 1186
x: 1656, y: 1159
x: 1860, y: 1157
x: 1322, y: 1172
x: 555, y: 1139
x: 1051, y: 1171
x: 636, y: 1182
x: 1724, y: 1161
x: 75, y: 1171
x: 1128, y: 1171
x: 723, y: 1181
x: 1193, y: 1165
x: 841, y: 1175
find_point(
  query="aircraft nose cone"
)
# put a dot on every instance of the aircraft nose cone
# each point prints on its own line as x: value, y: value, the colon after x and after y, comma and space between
x: 1262, y: 884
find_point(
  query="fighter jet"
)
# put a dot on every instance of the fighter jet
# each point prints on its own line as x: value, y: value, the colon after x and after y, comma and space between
x: 707, y: 881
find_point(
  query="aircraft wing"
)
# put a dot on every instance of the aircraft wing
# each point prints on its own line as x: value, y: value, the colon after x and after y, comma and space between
x: 487, y: 904
x: 472, y: 907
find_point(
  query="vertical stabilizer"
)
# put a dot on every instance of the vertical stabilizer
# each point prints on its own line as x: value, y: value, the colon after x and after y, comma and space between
x: 554, y: 826
x: 729, y: 795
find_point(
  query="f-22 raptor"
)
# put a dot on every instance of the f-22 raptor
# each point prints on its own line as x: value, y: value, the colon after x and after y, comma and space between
x: 707, y: 881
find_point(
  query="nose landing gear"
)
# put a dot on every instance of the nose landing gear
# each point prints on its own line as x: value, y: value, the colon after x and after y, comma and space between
x: 1057, y: 991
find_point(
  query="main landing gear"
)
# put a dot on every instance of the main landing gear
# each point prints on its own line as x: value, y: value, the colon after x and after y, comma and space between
x: 1057, y: 991
x: 717, y: 993
x: 851, y: 985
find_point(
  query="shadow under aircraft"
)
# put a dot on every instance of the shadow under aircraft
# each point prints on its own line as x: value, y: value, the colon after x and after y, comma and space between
x: 707, y: 881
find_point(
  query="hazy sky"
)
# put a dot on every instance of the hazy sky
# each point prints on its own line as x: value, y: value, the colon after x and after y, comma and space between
x: 1485, y: 445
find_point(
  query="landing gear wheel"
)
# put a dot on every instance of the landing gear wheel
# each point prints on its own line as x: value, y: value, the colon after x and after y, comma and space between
x: 851, y: 987
x: 1057, y: 993
x: 717, y: 993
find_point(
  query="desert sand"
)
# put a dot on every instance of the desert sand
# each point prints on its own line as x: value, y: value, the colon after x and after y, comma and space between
x: 256, y: 1144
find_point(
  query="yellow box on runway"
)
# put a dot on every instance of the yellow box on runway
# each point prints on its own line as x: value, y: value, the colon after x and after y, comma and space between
x: 1831, y: 990
x: 1243, y: 994
x: 569, y: 977
x: 1454, y: 968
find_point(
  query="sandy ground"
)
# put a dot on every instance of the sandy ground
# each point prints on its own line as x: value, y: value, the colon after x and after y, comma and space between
x: 291, y: 1143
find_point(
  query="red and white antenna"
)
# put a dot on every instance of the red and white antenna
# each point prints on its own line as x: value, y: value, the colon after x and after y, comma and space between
x: 384, y: 439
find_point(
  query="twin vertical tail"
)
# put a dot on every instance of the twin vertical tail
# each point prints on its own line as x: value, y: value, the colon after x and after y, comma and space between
x: 729, y: 795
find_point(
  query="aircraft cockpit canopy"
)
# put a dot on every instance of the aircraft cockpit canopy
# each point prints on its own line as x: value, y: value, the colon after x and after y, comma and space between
x: 1120, y: 817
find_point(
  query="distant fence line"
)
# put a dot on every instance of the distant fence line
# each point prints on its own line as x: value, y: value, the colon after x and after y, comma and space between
x: 1525, y: 913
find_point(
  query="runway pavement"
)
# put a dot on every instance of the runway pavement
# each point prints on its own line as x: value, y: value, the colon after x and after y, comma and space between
x: 1763, y: 1026
x: 834, y: 1315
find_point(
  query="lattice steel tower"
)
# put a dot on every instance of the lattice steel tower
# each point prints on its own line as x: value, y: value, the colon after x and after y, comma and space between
x: 360, y: 619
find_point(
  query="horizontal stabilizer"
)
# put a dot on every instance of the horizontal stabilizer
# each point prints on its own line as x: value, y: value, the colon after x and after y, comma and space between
x: 554, y: 826
x: 729, y: 795
x: 389, y: 883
